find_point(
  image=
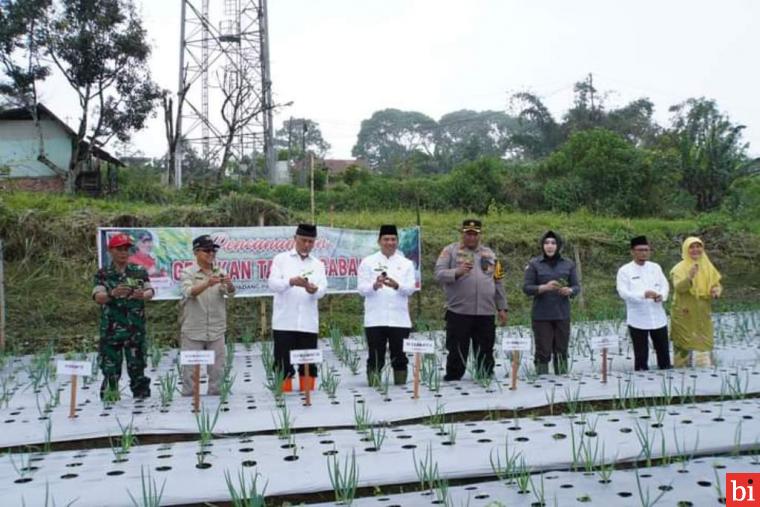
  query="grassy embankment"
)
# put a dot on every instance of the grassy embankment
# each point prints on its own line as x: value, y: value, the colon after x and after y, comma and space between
x: 50, y: 258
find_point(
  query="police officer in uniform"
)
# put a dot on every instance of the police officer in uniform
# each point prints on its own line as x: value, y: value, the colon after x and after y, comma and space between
x: 471, y: 276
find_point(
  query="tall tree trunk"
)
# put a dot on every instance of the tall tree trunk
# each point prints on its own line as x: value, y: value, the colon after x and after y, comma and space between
x: 76, y: 152
x: 171, y: 138
x: 226, y: 154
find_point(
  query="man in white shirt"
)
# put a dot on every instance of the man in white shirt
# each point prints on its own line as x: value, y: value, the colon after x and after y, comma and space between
x: 643, y: 287
x: 298, y: 281
x: 386, y: 280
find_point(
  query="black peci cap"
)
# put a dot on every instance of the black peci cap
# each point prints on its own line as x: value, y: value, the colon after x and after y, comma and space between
x: 639, y: 240
x: 307, y: 230
x: 388, y: 230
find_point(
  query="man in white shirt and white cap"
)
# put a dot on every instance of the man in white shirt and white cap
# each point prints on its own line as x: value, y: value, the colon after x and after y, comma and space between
x: 298, y: 281
x: 644, y: 288
x: 386, y: 280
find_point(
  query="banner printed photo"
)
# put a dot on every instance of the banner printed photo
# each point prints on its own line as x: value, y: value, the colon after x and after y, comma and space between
x: 246, y: 254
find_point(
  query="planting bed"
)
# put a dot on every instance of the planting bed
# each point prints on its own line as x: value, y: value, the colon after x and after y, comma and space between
x: 643, y: 434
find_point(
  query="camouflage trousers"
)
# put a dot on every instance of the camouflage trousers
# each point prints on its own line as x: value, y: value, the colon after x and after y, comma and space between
x: 111, y: 355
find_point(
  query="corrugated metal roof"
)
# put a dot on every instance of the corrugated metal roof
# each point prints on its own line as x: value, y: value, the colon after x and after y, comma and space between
x: 28, y: 169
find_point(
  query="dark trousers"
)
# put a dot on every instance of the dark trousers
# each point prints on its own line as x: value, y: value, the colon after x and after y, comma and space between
x: 460, y: 329
x: 552, y: 339
x: 378, y: 338
x: 640, y: 339
x: 284, y: 342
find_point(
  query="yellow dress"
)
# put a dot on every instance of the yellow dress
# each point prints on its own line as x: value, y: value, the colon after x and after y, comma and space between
x: 690, y: 316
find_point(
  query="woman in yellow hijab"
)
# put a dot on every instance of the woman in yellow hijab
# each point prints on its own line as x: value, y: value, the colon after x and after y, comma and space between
x: 696, y: 283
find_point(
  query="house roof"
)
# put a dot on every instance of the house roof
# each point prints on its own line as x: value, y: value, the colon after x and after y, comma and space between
x: 29, y: 169
x: 337, y: 166
x: 23, y: 113
x: 334, y: 165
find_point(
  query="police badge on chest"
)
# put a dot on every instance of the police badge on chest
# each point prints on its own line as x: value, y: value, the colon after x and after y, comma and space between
x: 486, y: 264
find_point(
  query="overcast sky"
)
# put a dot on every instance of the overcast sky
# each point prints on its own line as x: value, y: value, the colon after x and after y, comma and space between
x: 341, y: 60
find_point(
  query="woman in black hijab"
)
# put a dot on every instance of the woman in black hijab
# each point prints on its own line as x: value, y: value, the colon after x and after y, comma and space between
x: 551, y: 280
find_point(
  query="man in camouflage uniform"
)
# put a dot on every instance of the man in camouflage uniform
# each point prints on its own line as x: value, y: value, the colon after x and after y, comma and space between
x: 121, y: 290
x: 471, y: 276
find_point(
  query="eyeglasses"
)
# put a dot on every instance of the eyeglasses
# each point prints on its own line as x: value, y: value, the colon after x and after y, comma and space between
x: 208, y: 250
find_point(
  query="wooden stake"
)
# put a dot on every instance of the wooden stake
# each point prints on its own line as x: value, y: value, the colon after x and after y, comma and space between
x: 307, y: 381
x: 262, y: 301
x: 196, y: 388
x: 604, y: 365
x: 73, y: 404
x: 579, y: 271
x: 330, y: 298
x: 418, y: 296
x: 311, y: 171
x: 417, y: 360
x: 515, y: 367
x: 2, y: 297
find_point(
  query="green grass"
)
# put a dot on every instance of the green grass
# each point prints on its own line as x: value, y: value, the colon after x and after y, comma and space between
x: 50, y: 259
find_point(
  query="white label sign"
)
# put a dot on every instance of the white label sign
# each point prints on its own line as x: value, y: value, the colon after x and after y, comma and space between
x: 193, y: 357
x: 511, y: 343
x: 419, y: 346
x: 306, y: 356
x: 604, y: 342
x: 81, y: 368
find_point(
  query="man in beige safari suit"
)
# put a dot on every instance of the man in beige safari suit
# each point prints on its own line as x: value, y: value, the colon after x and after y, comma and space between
x: 203, y: 312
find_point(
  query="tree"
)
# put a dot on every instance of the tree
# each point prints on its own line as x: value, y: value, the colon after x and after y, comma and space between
x: 299, y: 135
x: 391, y: 136
x: 473, y: 186
x: 466, y: 135
x: 635, y: 122
x: 99, y: 46
x: 171, y: 123
x: 240, y: 106
x: 21, y: 36
x: 588, y: 108
x: 597, y: 169
x: 195, y: 168
x: 539, y: 133
x: 711, y: 152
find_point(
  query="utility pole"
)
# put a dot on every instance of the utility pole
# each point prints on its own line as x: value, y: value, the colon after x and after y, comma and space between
x: 304, y: 128
x: 290, y: 146
x: 266, y: 85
